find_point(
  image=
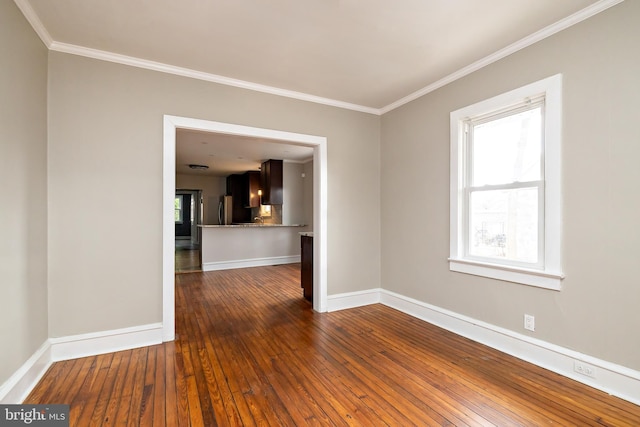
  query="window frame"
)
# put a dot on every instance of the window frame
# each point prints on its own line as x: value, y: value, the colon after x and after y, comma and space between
x: 548, y: 272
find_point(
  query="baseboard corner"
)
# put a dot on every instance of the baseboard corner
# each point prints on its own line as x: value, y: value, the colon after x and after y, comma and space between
x: 16, y: 389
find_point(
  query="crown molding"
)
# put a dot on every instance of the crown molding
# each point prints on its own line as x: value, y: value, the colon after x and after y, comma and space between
x: 550, y: 30
x: 199, y: 75
x: 34, y: 20
x: 542, y: 34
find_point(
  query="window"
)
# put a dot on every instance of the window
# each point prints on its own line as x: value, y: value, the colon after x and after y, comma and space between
x: 505, y: 186
x: 178, y: 210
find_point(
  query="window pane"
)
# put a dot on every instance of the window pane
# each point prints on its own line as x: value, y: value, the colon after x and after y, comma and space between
x: 193, y: 209
x: 503, y: 224
x: 508, y: 149
x: 177, y: 204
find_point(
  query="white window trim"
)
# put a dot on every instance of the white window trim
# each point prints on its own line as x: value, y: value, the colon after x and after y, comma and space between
x: 550, y: 277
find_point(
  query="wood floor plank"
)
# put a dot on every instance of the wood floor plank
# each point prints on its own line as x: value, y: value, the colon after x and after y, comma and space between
x: 377, y: 389
x: 451, y: 364
x: 222, y: 400
x: 117, y: 397
x: 253, y: 309
x: 172, y: 414
x: 436, y: 381
x: 93, y: 416
x: 85, y: 401
x: 88, y: 376
x: 159, y: 381
x: 188, y: 401
x: 48, y: 389
x: 249, y: 350
x: 147, y: 402
x: 138, y: 391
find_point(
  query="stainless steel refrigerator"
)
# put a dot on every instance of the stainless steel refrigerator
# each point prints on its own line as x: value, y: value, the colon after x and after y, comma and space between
x: 225, y: 210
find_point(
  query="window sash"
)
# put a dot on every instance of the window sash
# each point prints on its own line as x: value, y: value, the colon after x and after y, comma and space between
x: 469, y: 125
x: 466, y: 223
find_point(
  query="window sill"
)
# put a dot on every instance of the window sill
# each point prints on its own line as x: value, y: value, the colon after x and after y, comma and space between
x: 540, y: 279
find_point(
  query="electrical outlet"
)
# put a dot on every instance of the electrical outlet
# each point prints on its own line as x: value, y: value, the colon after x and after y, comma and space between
x: 584, y: 369
x: 529, y: 322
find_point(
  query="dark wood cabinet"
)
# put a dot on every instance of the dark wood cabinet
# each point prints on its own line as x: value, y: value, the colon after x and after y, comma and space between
x: 251, y: 198
x: 271, y: 182
x: 235, y: 189
x: 244, y: 188
x: 306, y: 270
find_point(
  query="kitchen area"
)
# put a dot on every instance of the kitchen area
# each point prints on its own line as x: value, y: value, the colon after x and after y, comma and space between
x: 253, y: 212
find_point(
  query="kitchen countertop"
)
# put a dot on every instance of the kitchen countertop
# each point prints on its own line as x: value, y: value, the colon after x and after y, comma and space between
x: 250, y: 225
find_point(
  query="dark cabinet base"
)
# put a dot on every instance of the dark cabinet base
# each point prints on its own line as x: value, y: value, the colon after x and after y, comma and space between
x: 306, y: 255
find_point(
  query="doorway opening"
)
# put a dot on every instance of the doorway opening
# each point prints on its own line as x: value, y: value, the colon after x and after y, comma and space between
x: 187, y: 216
x: 319, y: 145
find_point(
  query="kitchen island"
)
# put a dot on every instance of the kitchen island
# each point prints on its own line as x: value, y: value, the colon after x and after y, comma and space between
x: 226, y: 247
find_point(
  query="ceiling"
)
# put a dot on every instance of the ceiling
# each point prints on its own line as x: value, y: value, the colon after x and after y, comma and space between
x: 364, y: 55
x: 227, y: 154
x: 369, y: 53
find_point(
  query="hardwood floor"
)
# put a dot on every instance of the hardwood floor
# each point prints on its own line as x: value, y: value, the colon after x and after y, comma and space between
x: 187, y: 261
x: 251, y: 351
x: 187, y: 257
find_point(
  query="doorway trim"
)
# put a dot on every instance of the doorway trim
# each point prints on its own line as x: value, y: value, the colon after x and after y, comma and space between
x: 319, y: 144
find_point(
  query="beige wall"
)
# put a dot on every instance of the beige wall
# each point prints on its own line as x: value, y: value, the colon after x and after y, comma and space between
x: 293, y: 207
x: 23, y: 190
x: 105, y: 131
x: 212, y: 188
x: 308, y: 194
x: 597, y: 311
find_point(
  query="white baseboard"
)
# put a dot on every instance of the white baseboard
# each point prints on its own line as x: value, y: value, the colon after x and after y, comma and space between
x: 254, y: 262
x: 20, y: 384
x: 75, y: 346
x: 353, y: 299
x: 614, y: 379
